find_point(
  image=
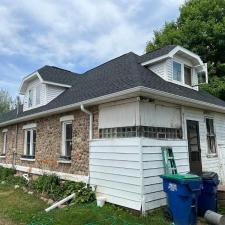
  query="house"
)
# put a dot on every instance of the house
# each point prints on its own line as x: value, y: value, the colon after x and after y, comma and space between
x: 107, y: 126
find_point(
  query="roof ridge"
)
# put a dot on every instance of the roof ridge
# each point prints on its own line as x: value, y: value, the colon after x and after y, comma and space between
x: 56, y: 67
x: 158, y: 49
x: 110, y: 61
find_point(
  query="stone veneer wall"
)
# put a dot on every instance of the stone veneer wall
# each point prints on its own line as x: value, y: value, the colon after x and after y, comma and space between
x: 48, y: 144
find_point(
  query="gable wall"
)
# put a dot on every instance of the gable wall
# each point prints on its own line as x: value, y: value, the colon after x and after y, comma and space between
x: 32, y: 85
x: 159, y: 68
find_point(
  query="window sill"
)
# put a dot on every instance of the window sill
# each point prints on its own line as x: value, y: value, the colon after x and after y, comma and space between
x: 212, y: 155
x: 64, y: 161
x: 27, y: 159
x: 2, y: 156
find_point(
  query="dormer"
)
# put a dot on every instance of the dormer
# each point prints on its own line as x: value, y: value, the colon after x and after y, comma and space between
x: 44, y: 85
x: 178, y: 65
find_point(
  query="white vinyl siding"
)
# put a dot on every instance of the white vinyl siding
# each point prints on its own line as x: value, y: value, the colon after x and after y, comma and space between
x: 52, y: 92
x: 126, y: 171
x: 159, y: 68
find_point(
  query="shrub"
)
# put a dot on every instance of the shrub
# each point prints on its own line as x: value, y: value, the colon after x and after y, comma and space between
x: 46, y: 183
x: 83, y: 192
x: 6, y: 173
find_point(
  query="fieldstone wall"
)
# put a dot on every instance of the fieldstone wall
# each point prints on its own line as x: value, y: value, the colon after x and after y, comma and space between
x: 48, y: 146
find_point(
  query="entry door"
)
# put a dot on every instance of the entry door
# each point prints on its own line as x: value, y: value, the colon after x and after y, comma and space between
x: 194, y: 147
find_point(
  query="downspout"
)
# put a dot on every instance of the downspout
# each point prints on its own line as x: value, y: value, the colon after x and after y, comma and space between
x: 90, y: 121
x: 90, y: 132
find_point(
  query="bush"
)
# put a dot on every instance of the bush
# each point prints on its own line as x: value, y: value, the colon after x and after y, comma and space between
x: 51, y: 186
x: 6, y: 173
x: 83, y: 192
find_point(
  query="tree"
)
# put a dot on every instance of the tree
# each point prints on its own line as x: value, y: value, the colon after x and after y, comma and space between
x: 200, y: 27
x: 6, y: 102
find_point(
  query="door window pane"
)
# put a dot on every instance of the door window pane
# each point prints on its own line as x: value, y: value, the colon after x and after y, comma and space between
x: 187, y: 75
x: 176, y: 71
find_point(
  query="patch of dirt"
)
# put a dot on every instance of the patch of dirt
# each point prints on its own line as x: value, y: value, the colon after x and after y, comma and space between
x: 7, y: 193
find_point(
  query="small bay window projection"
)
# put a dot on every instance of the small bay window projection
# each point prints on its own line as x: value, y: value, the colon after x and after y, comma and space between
x: 177, y: 71
x: 211, y: 137
x: 67, y: 133
x: 30, y: 137
x: 5, y: 140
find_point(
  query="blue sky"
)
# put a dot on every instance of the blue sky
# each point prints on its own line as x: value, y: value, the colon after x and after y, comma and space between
x: 74, y: 34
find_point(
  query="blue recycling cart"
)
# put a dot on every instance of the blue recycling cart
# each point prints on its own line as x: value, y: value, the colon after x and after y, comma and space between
x: 182, y: 197
x: 208, y: 197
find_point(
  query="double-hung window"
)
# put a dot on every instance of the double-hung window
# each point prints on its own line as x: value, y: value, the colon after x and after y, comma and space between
x: 67, y: 134
x: 177, y: 71
x: 30, y: 136
x: 182, y: 73
x: 38, y: 94
x: 211, y: 137
x: 5, y: 142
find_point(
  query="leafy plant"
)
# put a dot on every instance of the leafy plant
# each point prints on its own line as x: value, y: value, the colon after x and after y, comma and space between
x: 6, y: 173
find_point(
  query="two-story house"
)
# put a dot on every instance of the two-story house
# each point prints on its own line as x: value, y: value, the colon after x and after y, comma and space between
x: 107, y: 126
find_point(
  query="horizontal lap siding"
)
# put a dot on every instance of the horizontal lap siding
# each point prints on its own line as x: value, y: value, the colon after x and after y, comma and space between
x: 116, y: 170
x: 153, y: 168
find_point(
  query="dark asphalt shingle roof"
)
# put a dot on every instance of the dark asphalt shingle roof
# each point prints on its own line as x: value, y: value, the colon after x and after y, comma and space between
x: 57, y: 75
x: 119, y: 74
x: 156, y: 53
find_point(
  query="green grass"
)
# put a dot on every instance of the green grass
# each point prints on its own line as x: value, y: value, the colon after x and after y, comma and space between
x: 18, y: 207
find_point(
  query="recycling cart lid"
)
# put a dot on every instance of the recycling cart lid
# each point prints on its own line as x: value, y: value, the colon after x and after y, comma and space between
x: 181, y: 177
x: 209, y: 175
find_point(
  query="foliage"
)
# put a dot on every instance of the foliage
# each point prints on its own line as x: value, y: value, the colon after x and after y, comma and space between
x: 51, y: 185
x: 6, y: 173
x: 6, y: 102
x: 83, y: 192
x: 200, y: 27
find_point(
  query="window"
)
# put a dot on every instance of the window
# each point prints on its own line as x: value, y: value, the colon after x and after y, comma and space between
x: 30, y: 98
x: 29, y: 143
x: 5, y: 137
x: 211, y: 137
x: 187, y: 75
x: 141, y: 131
x: 176, y: 71
x: 38, y: 95
x: 67, y: 133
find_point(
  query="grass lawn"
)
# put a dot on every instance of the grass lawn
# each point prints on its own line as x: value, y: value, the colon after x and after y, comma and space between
x: 17, y: 207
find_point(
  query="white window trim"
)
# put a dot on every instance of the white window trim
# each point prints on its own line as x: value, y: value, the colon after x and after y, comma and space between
x: 63, y: 145
x: 30, y: 126
x: 68, y: 118
x: 31, y: 150
x: 182, y: 73
x: 5, y: 141
x: 208, y: 154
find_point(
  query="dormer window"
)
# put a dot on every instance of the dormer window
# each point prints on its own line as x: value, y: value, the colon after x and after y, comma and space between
x: 176, y: 71
x: 182, y: 73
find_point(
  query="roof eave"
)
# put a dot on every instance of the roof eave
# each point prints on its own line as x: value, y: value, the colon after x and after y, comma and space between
x: 140, y: 90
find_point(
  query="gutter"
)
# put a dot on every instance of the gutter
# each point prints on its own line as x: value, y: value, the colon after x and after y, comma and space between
x: 90, y: 121
x: 129, y: 92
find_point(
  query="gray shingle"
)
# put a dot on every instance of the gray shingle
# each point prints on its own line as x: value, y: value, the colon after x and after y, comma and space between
x: 119, y: 74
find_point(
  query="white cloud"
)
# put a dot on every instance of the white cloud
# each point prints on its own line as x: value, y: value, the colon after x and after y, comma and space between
x: 78, y: 34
